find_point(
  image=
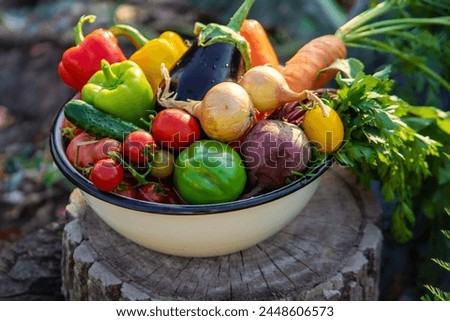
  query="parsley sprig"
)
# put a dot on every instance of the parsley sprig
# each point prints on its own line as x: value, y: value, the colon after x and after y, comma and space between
x: 379, y: 144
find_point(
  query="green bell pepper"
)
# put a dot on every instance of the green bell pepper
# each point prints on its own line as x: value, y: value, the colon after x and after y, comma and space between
x: 122, y: 90
x: 209, y: 172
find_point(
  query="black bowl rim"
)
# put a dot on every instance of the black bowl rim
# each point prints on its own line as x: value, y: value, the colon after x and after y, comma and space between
x: 84, y: 184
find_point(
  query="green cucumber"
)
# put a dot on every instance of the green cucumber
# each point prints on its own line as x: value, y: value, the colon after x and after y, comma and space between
x: 96, y: 122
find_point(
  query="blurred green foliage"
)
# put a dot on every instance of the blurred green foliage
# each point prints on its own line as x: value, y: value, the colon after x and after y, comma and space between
x: 33, y: 164
x: 435, y: 293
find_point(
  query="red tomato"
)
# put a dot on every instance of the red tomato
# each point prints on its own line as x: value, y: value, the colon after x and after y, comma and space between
x: 126, y: 188
x: 79, y: 150
x: 106, y: 174
x: 69, y: 130
x: 174, y: 128
x: 156, y: 192
x: 173, y: 198
x: 105, y: 146
x: 139, y: 147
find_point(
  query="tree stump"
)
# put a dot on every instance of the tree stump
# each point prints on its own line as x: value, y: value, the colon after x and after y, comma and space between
x: 331, y: 252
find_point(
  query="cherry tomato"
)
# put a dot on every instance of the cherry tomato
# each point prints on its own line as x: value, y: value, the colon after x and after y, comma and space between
x: 126, y: 188
x: 152, y: 192
x: 156, y: 192
x: 173, y: 198
x: 139, y: 147
x: 106, y: 174
x: 174, y: 128
x: 105, y: 146
x: 163, y: 164
x: 79, y: 150
x: 327, y: 133
x: 69, y: 130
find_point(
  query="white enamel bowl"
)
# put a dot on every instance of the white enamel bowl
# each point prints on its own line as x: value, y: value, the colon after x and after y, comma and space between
x: 191, y: 230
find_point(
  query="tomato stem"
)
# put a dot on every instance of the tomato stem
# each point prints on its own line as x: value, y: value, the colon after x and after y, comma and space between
x: 140, y: 178
x: 316, y: 100
x: 84, y: 170
x: 149, y: 122
x: 160, y: 189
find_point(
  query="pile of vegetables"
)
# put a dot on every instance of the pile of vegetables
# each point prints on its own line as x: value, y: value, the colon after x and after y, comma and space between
x: 219, y: 118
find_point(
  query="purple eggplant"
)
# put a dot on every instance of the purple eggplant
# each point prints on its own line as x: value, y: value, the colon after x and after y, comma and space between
x: 218, y: 54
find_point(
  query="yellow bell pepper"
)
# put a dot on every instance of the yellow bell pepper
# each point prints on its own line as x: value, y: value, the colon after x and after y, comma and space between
x: 175, y: 39
x: 150, y: 54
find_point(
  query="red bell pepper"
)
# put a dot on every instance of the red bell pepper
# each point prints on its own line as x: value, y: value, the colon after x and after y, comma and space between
x: 80, y: 62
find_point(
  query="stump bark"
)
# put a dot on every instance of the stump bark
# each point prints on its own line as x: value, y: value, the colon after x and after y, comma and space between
x: 330, y: 252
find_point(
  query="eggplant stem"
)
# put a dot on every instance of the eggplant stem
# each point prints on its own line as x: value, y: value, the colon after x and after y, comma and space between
x: 165, y: 97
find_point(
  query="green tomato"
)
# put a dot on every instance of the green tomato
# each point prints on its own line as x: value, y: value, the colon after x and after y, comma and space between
x: 209, y: 172
x: 162, y: 164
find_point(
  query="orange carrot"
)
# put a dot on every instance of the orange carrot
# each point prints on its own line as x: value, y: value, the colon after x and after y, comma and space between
x: 261, y: 50
x: 302, y: 70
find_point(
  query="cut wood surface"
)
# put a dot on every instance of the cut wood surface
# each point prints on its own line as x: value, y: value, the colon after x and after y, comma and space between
x: 329, y: 252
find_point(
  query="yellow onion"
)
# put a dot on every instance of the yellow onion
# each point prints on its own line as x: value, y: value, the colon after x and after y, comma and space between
x: 225, y: 113
x: 267, y: 88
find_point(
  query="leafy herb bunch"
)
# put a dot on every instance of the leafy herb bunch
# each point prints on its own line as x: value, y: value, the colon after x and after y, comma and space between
x: 381, y: 145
